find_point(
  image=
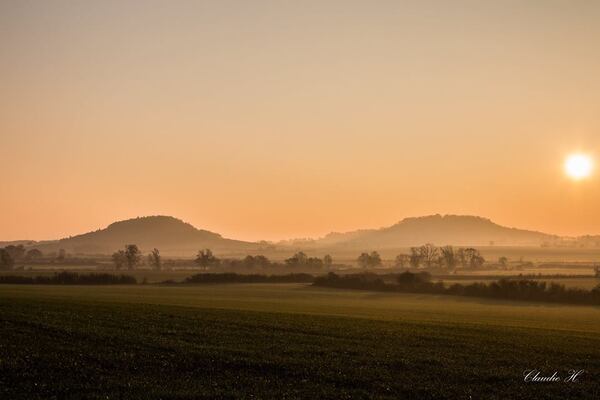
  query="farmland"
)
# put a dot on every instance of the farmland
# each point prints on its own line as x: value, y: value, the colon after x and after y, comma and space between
x: 286, y: 340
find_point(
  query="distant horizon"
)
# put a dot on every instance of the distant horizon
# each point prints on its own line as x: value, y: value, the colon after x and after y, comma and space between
x: 320, y: 236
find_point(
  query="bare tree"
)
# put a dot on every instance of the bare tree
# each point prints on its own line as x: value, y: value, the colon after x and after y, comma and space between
x: 206, y: 259
x: 119, y: 259
x: 461, y: 257
x: 415, y: 257
x: 6, y: 261
x: 363, y: 260
x: 429, y: 254
x: 133, y: 255
x: 375, y: 259
x: 372, y: 260
x: 503, y: 261
x: 62, y: 254
x: 473, y: 258
x: 448, y: 257
x: 155, y: 260
x: 402, y: 260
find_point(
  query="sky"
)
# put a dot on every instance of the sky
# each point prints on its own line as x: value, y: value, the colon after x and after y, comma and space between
x: 281, y: 119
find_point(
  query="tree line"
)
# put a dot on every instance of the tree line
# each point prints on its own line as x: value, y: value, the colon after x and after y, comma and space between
x: 12, y: 254
x: 130, y: 257
x: 428, y: 256
x: 506, y: 289
x: 70, y: 278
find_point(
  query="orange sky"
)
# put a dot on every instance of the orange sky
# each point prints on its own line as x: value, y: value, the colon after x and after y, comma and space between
x: 271, y: 119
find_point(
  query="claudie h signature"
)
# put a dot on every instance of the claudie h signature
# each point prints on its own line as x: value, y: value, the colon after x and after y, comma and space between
x: 537, y: 376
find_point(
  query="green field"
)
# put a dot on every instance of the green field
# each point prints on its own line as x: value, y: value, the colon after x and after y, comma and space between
x: 286, y: 341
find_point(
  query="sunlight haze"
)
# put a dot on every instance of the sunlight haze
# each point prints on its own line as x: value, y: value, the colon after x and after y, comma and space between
x: 272, y: 120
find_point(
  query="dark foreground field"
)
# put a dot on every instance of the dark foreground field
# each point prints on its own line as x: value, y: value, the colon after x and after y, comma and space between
x: 287, y: 341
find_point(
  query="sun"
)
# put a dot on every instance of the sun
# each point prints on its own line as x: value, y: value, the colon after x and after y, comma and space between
x: 579, y: 166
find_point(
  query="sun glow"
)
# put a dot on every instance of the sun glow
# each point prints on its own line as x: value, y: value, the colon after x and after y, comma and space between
x: 578, y: 166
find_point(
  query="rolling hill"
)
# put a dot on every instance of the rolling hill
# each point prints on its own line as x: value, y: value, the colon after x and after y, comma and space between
x: 177, y: 238
x: 437, y: 229
x: 171, y: 235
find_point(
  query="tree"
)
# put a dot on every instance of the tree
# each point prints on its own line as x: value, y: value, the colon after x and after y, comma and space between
x: 503, y: 261
x: 415, y: 257
x: 119, y: 259
x: 402, y: 261
x: 375, y: 259
x: 477, y: 261
x: 256, y: 261
x: 62, y: 254
x: 366, y: 260
x: 6, y: 261
x: 16, y: 252
x: 155, y: 260
x: 472, y: 258
x: 363, y: 260
x: 429, y: 254
x: 206, y: 259
x: 327, y: 261
x: 448, y: 257
x: 34, y: 254
x: 261, y: 261
x: 461, y: 257
x: 297, y: 260
x: 133, y: 255
x: 249, y: 262
x: 314, y: 263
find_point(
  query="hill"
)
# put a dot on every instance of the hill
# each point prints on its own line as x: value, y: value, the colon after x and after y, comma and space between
x: 177, y: 238
x: 437, y: 229
x: 171, y: 235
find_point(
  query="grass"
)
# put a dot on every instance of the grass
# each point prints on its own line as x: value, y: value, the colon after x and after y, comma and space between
x: 286, y: 341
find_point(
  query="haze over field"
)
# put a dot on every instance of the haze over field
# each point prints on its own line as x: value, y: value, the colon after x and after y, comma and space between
x: 273, y: 120
x: 175, y: 237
